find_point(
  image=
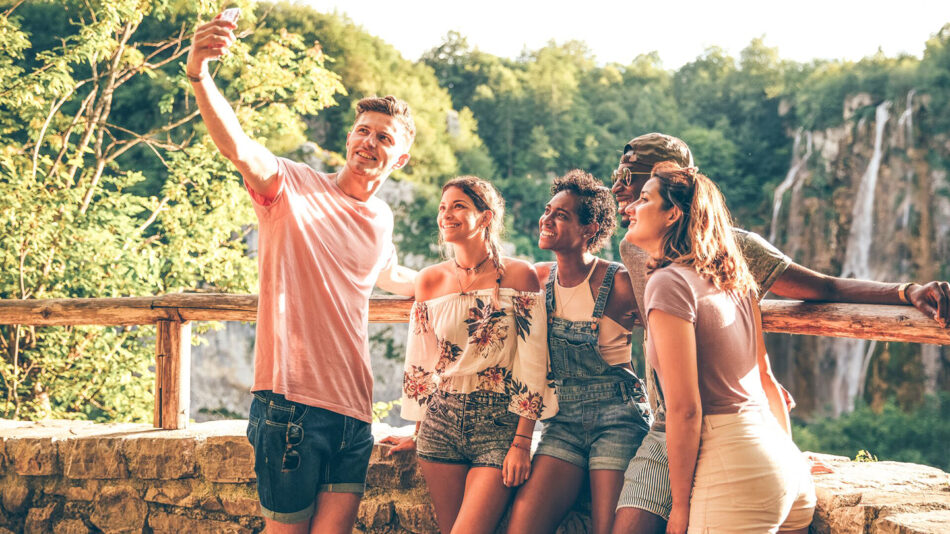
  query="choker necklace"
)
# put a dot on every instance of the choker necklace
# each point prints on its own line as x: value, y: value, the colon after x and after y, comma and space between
x: 471, y: 270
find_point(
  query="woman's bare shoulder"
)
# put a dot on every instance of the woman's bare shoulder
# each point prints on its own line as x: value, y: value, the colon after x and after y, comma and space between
x: 520, y: 275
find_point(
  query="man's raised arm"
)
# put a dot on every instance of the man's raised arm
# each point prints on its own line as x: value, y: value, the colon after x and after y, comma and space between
x: 256, y: 164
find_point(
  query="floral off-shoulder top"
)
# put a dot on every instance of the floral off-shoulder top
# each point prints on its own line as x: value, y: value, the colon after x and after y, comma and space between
x: 459, y: 343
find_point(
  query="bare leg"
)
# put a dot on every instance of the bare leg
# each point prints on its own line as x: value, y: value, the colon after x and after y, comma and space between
x: 605, y: 486
x: 484, y: 503
x: 276, y: 527
x: 446, y: 483
x: 637, y: 521
x: 796, y: 531
x: 543, y: 501
x: 336, y: 513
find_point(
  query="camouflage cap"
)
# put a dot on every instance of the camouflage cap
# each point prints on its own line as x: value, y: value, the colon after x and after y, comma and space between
x: 652, y: 148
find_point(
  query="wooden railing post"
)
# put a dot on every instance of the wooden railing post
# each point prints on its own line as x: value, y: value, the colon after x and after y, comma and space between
x: 172, y: 374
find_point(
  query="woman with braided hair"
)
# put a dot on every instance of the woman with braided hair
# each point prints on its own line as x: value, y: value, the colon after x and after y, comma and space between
x: 732, y: 464
x: 476, y: 364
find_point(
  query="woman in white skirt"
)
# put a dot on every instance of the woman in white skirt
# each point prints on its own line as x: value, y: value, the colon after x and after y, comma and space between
x: 733, y: 465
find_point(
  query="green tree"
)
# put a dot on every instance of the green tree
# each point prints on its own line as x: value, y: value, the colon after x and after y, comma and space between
x: 84, y: 215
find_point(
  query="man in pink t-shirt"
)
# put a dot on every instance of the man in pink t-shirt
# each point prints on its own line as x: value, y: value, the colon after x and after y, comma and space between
x: 325, y: 241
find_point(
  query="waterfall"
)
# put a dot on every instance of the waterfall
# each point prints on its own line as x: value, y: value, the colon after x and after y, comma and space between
x: 862, y: 216
x: 905, y: 123
x: 798, y: 161
x: 852, y: 356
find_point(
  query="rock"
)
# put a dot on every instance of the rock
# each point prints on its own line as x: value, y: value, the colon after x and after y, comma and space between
x: 119, y: 509
x: 375, y: 513
x: 392, y: 472
x: 854, y: 103
x: 226, y: 459
x: 16, y: 497
x: 38, y: 520
x: 71, y: 526
x: 574, y: 523
x: 93, y: 457
x: 82, y: 490
x: 162, y: 522
x: 418, y: 518
x: 240, y: 500
x: 174, y: 492
x: 933, y: 522
x: 166, y: 457
x: 879, y: 497
x: 34, y: 456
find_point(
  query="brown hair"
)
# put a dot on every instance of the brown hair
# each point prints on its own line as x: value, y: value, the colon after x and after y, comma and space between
x: 595, y: 204
x: 392, y: 106
x: 702, y: 238
x: 486, y: 198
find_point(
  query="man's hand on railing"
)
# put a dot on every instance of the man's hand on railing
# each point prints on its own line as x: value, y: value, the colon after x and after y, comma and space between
x: 933, y: 300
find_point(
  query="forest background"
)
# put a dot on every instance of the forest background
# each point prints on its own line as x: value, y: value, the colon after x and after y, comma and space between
x: 109, y: 185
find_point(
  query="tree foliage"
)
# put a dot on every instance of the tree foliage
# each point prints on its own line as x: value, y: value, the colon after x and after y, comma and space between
x: 110, y: 187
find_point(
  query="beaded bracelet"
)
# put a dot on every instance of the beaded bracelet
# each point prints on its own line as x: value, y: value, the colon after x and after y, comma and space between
x: 522, y: 447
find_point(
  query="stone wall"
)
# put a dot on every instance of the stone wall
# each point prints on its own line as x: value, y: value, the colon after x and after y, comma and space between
x: 79, y: 478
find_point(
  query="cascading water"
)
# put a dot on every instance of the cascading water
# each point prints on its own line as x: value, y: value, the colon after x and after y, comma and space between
x: 853, y: 356
x: 905, y: 123
x: 798, y: 161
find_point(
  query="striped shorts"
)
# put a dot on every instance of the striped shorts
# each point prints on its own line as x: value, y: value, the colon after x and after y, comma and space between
x: 646, y: 482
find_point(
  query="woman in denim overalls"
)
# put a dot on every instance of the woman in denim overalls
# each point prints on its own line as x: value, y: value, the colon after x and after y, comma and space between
x: 603, y: 412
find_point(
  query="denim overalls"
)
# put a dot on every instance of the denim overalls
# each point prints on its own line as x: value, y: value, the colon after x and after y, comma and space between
x: 603, y: 413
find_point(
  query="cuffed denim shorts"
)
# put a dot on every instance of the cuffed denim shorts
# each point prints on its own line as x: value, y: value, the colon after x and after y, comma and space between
x: 302, y: 450
x: 472, y: 428
x: 597, y: 426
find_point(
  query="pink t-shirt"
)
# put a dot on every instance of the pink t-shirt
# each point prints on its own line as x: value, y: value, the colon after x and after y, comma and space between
x: 729, y: 380
x: 320, y: 253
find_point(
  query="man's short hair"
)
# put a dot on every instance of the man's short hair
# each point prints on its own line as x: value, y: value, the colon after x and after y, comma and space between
x: 392, y: 106
x: 652, y: 148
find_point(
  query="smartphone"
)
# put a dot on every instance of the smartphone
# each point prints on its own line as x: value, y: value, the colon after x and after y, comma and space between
x: 231, y: 14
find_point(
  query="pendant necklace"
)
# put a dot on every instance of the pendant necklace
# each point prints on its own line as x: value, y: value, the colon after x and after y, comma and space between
x: 468, y: 270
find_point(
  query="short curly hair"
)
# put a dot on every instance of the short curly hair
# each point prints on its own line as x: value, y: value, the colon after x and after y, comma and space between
x: 595, y: 204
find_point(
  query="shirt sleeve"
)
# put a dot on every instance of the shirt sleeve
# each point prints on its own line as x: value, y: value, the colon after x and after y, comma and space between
x: 532, y: 395
x: 284, y: 172
x: 766, y: 262
x: 668, y: 291
x: 418, y: 382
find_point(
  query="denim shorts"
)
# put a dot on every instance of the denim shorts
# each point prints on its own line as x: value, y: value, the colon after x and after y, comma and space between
x: 472, y: 428
x: 302, y: 450
x: 597, y: 426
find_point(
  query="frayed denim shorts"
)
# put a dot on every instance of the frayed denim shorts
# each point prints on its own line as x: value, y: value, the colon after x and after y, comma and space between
x: 471, y: 428
x: 300, y: 451
x: 597, y: 426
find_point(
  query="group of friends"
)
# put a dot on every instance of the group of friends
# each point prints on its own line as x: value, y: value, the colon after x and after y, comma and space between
x: 497, y: 343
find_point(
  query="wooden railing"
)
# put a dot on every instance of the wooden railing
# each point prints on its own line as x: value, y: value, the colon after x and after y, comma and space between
x: 172, y: 315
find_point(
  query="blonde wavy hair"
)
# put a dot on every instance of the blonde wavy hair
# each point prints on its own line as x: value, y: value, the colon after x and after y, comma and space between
x: 702, y: 238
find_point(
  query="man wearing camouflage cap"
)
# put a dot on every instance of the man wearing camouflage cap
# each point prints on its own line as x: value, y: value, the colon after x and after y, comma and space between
x: 645, y: 501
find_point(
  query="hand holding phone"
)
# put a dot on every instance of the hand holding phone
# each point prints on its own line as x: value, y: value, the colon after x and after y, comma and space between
x: 230, y: 15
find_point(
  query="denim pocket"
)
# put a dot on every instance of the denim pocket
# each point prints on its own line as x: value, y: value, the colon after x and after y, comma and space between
x: 281, y: 412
